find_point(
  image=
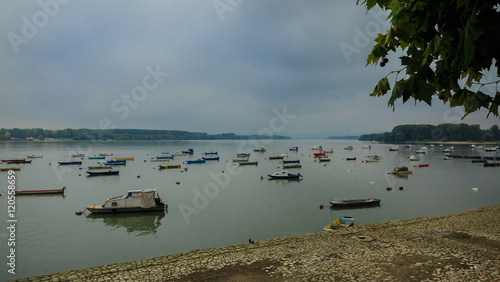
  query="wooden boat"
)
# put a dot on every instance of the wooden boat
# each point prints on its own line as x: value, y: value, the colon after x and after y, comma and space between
x: 97, y: 158
x: 276, y: 158
x: 342, y: 222
x: 350, y: 158
x: 125, y: 159
x: 100, y: 167
x: 478, y: 161
x: 401, y: 170
x: 78, y: 155
x: 198, y: 161
x: 35, y: 156
x: 319, y: 154
x: 71, y: 163
x: 324, y: 159
x: 248, y: 163
x: 423, y: 165
x: 13, y: 160
x: 105, y: 154
x: 160, y: 160
x: 243, y: 155
x: 291, y: 162
x: 40, y: 192
x: 372, y: 160
x: 210, y: 158
x: 10, y: 168
x: 356, y: 202
x: 211, y: 153
x: 292, y: 166
x: 109, y: 172
x: 348, y: 147
x: 284, y: 175
x: 19, y: 162
x: 260, y: 149
x: 188, y: 151
x: 170, y: 166
x: 115, y: 163
x: 134, y: 201
x: 240, y: 160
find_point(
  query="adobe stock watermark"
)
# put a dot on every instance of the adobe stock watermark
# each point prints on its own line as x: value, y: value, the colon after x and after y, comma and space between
x: 364, y: 37
x: 220, y: 180
x: 31, y: 26
x: 224, y: 6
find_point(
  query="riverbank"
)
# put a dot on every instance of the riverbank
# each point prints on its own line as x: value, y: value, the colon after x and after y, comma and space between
x: 461, y: 246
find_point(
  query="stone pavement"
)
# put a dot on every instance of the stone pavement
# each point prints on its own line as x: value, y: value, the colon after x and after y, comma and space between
x: 462, y: 246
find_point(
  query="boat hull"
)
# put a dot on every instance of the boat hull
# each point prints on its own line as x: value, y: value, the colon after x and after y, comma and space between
x: 355, y: 203
x: 40, y: 192
x: 99, y: 209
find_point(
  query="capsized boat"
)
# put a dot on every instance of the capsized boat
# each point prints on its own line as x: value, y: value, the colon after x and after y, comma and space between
x: 135, y: 201
x: 284, y: 175
x: 342, y: 222
x: 355, y: 202
x: 40, y: 192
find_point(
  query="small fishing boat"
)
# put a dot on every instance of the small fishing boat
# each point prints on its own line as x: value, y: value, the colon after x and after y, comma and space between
x: 348, y: 147
x: 248, y: 163
x: 134, y: 201
x: 35, y: 156
x: 188, y: 151
x: 114, y: 162
x: 423, y: 165
x: 292, y: 166
x: 70, y: 163
x: 342, y: 222
x: 260, y: 149
x: 490, y: 149
x: 13, y: 160
x: 293, y: 149
x: 276, y: 158
x: 371, y: 160
x: 100, y: 167
x: 178, y: 154
x: 328, y: 151
x: 317, y: 147
x: 109, y: 172
x: 23, y: 161
x: 78, y: 155
x: 198, y: 161
x: 413, y: 158
x: 478, y: 161
x: 210, y: 158
x: 211, y: 153
x: 125, y: 159
x: 243, y: 155
x: 323, y: 159
x: 367, y: 147
x: 97, y: 158
x: 356, y: 202
x: 284, y: 175
x: 420, y: 152
x: 350, y: 158
x: 319, y: 154
x: 170, y: 166
x: 160, y: 160
x: 447, y: 158
x: 243, y: 160
x: 401, y: 170
x: 10, y: 168
x: 291, y: 162
x: 105, y: 154
x: 491, y: 164
x: 40, y: 192
x: 392, y: 149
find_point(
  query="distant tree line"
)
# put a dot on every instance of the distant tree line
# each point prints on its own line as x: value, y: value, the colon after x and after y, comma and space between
x: 122, y: 134
x: 442, y: 132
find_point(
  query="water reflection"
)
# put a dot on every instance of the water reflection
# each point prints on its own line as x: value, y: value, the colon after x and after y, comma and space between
x: 137, y: 223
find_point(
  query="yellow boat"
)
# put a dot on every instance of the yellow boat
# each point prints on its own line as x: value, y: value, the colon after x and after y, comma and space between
x: 170, y: 166
x: 124, y: 159
x: 10, y: 168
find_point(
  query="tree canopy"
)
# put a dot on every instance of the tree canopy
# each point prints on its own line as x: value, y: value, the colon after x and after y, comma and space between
x: 448, y: 46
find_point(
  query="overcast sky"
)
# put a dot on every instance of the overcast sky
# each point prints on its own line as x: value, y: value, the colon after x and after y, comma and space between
x: 242, y: 66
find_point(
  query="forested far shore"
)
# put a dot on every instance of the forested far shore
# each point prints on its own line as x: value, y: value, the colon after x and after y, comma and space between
x: 445, y: 132
x: 120, y: 134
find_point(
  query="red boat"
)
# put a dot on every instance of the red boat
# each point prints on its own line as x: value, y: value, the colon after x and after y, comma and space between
x: 319, y: 154
x: 40, y: 192
x: 423, y: 165
x: 13, y: 161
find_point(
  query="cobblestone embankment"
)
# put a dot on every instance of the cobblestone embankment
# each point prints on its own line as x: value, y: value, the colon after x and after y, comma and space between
x: 462, y: 246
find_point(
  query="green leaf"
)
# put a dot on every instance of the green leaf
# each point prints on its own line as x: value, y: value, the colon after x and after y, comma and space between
x: 382, y: 87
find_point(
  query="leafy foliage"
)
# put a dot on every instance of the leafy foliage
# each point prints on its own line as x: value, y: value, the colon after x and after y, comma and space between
x: 447, y: 46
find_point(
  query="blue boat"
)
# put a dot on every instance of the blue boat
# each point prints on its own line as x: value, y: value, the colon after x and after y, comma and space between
x: 211, y: 158
x: 342, y: 222
x: 113, y: 162
x: 211, y: 153
x: 189, y: 151
x: 165, y: 157
x: 96, y: 158
x: 198, y: 161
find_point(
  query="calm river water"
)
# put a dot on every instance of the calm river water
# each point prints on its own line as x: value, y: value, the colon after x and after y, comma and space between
x: 217, y: 203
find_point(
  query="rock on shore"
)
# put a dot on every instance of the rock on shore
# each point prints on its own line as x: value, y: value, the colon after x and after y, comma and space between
x: 462, y: 246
